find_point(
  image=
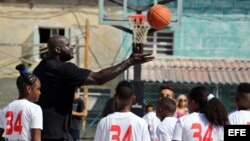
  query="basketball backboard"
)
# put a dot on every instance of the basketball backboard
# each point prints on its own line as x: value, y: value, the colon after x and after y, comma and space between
x: 116, y: 12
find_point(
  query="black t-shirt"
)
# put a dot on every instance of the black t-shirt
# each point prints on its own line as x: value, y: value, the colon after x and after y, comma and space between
x: 58, y: 83
x: 78, y: 106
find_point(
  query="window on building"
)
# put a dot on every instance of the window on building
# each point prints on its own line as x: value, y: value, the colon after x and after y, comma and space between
x: 159, y: 43
x: 45, y: 34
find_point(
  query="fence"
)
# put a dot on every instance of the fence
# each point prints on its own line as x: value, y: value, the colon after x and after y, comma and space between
x: 96, y: 101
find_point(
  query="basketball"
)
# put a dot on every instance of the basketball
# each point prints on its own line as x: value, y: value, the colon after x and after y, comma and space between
x: 159, y: 16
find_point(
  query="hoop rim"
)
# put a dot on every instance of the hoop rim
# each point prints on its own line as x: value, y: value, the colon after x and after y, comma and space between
x: 137, y: 16
x: 140, y: 27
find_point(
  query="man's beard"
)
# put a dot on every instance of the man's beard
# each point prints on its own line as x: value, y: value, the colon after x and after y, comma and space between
x: 66, y: 57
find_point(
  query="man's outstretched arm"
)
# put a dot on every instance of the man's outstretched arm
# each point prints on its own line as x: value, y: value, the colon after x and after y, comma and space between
x: 102, y: 76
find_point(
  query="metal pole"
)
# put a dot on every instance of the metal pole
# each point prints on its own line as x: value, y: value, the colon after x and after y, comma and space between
x: 77, y: 52
x: 86, y: 65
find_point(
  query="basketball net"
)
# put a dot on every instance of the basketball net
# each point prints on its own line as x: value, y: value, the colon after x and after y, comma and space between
x: 140, y: 27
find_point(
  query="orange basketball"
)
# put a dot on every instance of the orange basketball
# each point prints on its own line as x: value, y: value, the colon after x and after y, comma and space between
x: 159, y: 16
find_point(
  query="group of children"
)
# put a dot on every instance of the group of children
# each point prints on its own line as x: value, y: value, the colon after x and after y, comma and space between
x: 204, y: 120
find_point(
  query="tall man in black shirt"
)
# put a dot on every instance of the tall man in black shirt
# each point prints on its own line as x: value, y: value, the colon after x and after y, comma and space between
x: 59, y: 78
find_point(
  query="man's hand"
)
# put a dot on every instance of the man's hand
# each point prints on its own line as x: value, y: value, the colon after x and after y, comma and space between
x: 138, y: 58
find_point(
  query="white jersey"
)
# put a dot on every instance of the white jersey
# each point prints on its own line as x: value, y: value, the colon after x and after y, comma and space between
x: 195, y: 127
x: 121, y: 126
x: 153, y: 121
x: 241, y: 117
x: 19, y: 117
x: 165, y: 129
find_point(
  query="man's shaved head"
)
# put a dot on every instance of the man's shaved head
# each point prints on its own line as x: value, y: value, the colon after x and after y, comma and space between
x: 55, y: 41
x: 59, y: 47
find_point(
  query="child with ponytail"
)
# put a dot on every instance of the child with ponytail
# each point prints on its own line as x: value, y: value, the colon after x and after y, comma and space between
x: 206, y: 119
x: 22, y: 118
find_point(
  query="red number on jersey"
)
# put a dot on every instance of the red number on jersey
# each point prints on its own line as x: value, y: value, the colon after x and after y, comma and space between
x: 248, y: 123
x: 17, y: 125
x: 9, y: 128
x: 208, y: 134
x: 128, y: 134
x: 198, y: 133
x: 117, y: 130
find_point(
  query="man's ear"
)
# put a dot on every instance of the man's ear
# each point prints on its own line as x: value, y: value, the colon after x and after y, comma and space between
x: 57, y: 50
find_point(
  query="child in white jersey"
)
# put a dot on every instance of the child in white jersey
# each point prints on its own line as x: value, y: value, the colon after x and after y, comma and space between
x: 152, y: 120
x: 242, y: 100
x: 123, y: 124
x: 166, y: 112
x: 22, y: 120
x: 206, y: 120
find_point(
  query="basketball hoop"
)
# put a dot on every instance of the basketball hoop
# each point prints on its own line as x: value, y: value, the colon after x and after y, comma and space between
x: 140, y: 27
